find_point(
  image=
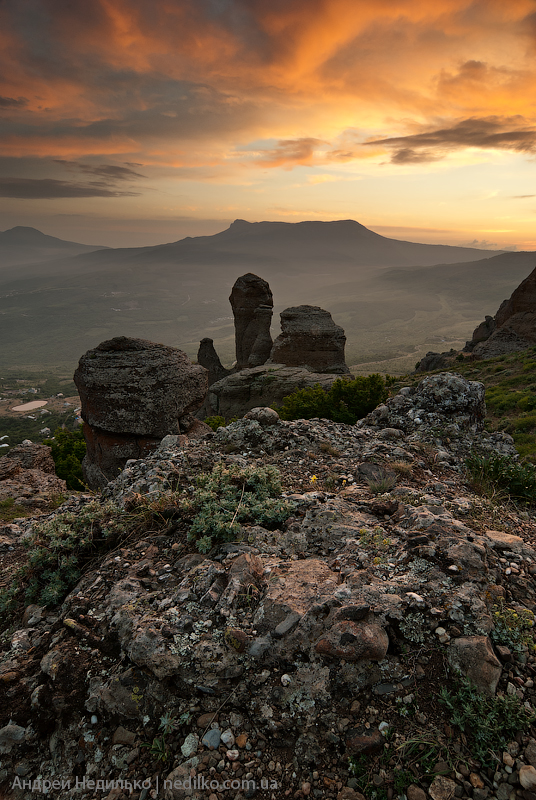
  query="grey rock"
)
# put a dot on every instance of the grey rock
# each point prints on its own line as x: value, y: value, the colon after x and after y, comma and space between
x: 310, y: 339
x: 208, y: 358
x: 252, y: 304
x: 133, y: 393
x: 10, y: 736
x: 211, y: 739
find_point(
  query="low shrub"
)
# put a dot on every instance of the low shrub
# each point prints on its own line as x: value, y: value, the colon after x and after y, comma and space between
x: 496, y: 474
x: 68, y: 450
x: 489, y: 723
x: 229, y: 496
x: 346, y: 401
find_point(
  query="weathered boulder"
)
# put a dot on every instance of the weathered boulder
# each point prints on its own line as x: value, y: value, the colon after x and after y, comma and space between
x: 242, y: 391
x: 310, y: 339
x: 133, y: 393
x: 252, y: 304
x: 208, y: 358
x: 441, y: 400
x: 28, y: 476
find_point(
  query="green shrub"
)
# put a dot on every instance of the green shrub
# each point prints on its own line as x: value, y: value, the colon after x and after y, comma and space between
x: 215, y: 422
x: 346, y: 401
x: 495, y: 474
x: 229, y: 496
x: 59, y: 549
x: 68, y: 450
x: 489, y: 723
x: 512, y: 628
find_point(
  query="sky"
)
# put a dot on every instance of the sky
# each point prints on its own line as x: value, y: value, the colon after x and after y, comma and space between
x: 136, y: 122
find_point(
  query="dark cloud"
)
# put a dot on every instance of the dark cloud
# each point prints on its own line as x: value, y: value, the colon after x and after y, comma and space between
x: 521, y: 196
x: 497, y: 133
x: 110, y: 172
x: 290, y: 152
x: 12, y: 102
x: 48, y: 188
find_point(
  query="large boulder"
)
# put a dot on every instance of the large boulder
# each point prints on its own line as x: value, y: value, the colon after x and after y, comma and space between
x: 260, y: 386
x: 252, y: 304
x: 133, y: 393
x: 438, y: 401
x: 310, y: 339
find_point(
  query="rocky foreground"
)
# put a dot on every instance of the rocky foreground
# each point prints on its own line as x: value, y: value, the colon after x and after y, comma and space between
x: 305, y: 661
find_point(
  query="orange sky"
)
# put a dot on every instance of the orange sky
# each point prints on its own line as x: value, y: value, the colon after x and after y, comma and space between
x: 129, y: 122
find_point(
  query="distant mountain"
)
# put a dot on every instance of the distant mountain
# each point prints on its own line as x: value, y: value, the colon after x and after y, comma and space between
x: 22, y: 245
x: 389, y: 295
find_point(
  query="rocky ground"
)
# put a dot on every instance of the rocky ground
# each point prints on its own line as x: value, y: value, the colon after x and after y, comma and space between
x: 308, y: 660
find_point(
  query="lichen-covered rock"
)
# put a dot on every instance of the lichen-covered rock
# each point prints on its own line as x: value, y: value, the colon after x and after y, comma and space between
x: 242, y: 391
x: 28, y: 476
x: 310, y: 339
x: 252, y: 304
x: 133, y: 393
x: 445, y: 401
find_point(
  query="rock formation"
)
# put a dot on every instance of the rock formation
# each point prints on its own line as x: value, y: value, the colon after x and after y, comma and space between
x: 513, y: 327
x: 133, y: 393
x: 260, y: 386
x: 252, y: 304
x: 28, y: 476
x: 208, y: 358
x: 310, y: 339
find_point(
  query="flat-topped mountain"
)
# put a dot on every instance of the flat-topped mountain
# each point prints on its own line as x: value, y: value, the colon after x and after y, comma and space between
x: 387, y: 294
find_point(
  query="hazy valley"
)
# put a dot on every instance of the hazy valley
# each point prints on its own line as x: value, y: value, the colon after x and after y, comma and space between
x: 396, y: 300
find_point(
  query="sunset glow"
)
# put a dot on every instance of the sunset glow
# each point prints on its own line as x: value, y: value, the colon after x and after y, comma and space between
x: 132, y: 122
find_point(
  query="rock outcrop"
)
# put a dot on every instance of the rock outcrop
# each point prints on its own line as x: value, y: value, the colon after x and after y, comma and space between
x: 311, y: 340
x: 28, y: 476
x: 514, y: 326
x: 314, y: 640
x: 267, y: 385
x: 133, y: 393
x: 208, y: 358
x: 252, y: 303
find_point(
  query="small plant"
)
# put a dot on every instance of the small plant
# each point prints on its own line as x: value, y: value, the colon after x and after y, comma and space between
x: 384, y: 483
x: 215, y: 422
x: 230, y: 496
x: 158, y: 747
x: 328, y: 448
x: 513, y: 628
x: 489, y: 723
x: 346, y: 401
x: 402, y: 468
x: 9, y: 510
x: 494, y: 474
x: 422, y: 752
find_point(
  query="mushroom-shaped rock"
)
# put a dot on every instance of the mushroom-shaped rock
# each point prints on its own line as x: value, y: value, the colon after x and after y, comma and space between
x: 309, y: 338
x: 133, y: 393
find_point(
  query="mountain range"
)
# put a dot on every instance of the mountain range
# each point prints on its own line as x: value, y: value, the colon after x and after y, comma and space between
x: 395, y: 299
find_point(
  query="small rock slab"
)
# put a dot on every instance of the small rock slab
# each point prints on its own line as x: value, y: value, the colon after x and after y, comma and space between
x: 527, y: 777
x: 473, y: 656
x: 360, y: 741
x: 505, y: 541
x: 354, y: 641
x: 211, y: 739
x: 442, y: 788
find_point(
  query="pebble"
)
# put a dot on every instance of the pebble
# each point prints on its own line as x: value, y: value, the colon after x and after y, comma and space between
x: 228, y: 738
x: 211, y: 739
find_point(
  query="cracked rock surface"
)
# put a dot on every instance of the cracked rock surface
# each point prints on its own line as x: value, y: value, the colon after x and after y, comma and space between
x: 285, y: 652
